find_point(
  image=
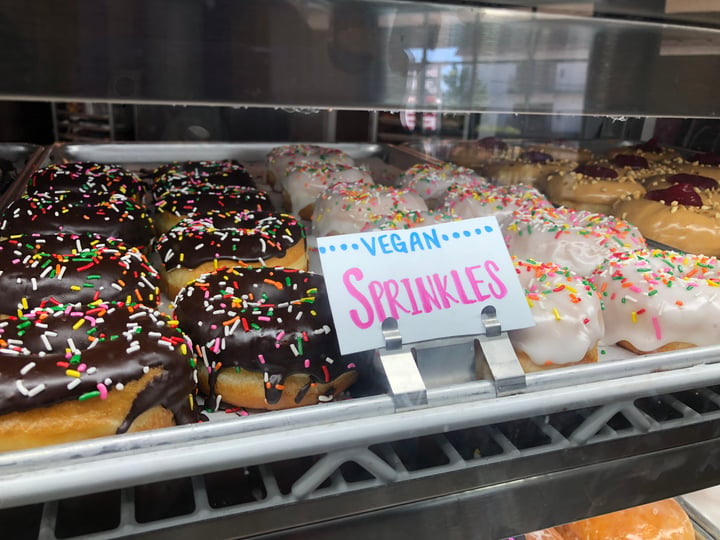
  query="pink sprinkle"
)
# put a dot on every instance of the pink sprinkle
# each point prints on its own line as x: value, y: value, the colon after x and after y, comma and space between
x: 103, y: 390
x: 280, y: 335
x: 261, y: 358
x: 91, y: 319
x: 263, y: 318
x: 15, y: 261
x: 307, y: 363
x: 351, y: 365
x: 81, y: 368
x: 635, y: 289
x: 656, y: 324
x: 213, y: 327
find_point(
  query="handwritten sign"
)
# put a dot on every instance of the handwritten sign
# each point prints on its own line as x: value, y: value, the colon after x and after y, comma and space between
x: 434, y: 280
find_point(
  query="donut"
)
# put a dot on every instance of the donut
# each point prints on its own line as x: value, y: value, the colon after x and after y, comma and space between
x: 431, y: 181
x: 46, y: 279
x: 198, y: 175
x: 305, y: 181
x: 680, y: 216
x: 115, y: 216
x: 578, y: 240
x: 480, y: 200
x: 343, y: 208
x: 86, y: 177
x: 264, y: 337
x: 63, y: 243
x: 650, y: 150
x: 70, y: 373
x: 281, y: 157
x: 591, y: 187
x: 530, y: 167
x: 473, y: 154
x: 406, y: 220
x: 662, y: 520
x: 196, y: 246
x: 657, y: 300
x: 562, y: 152
x: 567, y: 314
x: 177, y: 205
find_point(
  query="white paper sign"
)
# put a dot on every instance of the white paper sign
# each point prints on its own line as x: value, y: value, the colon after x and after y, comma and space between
x: 434, y: 280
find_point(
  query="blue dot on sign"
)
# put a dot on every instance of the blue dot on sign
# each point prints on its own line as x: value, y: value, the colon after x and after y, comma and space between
x: 456, y: 235
x: 332, y: 248
x: 445, y: 237
x: 467, y: 233
x: 343, y: 247
x: 355, y: 247
x: 478, y: 231
x: 488, y: 228
x: 322, y: 250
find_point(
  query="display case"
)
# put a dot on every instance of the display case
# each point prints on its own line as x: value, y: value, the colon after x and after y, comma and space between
x: 476, y: 458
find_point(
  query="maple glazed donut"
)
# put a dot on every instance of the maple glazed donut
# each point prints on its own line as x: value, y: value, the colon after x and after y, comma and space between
x: 530, y: 167
x: 681, y: 216
x: 474, y: 154
x: 197, y: 246
x: 650, y: 150
x: 264, y: 338
x: 591, y: 187
x: 562, y: 304
x: 70, y: 373
x: 305, y: 181
x: 86, y: 177
x: 562, y: 152
x: 431, y: 181
x: 48, y: 279
x: 115, y: 216
x: 578, y: 240
x: 177, y: 205
x: 658, y: 300
x: 343, y: 208
x: 281, y: 157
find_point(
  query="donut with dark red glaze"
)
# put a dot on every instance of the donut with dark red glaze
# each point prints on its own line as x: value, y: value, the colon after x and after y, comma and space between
x: 264, y: 338
x: 79, y: 213
x: 42, y: 279
x: 70, y: 373
x: 196, y: 246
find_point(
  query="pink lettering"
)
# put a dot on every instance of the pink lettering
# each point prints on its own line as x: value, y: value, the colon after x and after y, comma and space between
x: 356, y: 274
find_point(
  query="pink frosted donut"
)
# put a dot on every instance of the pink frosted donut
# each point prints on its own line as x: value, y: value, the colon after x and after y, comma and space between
x: 567, y: 314
x: 343, y: 208
x: 579, y: 240
x: 480, y: 200
x: 657, y: 300
x: 432, y: 181
x: 282, y: 157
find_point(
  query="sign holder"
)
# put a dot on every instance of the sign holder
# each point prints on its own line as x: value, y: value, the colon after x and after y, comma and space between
x: 495, y: 359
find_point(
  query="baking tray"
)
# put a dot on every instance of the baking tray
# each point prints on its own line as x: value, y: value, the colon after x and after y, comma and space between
x: 14, y: 158
x: 371, y: 419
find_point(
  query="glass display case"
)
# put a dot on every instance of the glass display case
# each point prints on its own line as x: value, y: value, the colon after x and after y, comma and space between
x: 476, y: 458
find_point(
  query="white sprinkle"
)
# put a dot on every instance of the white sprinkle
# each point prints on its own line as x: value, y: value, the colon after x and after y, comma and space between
x: 116, y: 286
x: 218, y: 400
x: 146, y: 369
x: 299, y: 315
x: 27, y: 367
x: 329, y: 360
x: 62, y: 272
x: 133, y: 348
x: 120, y: 386
x: 34, y: 284
x: 325, y: 398
x: 73, y: 383
x: 35, y: 391
x: 71, y: 344
x: 107, y: 382
x: 294, y: 350
x: 21, y: 388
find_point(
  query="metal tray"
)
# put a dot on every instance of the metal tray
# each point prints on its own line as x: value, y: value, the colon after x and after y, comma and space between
x: 366, y: 467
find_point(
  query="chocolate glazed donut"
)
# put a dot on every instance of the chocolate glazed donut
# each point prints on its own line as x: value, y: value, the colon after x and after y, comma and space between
x: 264, y: 338
x: 70, y: 373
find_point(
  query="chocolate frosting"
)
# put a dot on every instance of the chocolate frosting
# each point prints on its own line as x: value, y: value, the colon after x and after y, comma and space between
x: 199, y: 169
x: 268, y: 320
x: 48, y: 213
x: 63, y: 243
x: 38, y: 279
x: 86, y: 178
x: 193, y: 203
x: 249, y: 237
x: 68, y: 353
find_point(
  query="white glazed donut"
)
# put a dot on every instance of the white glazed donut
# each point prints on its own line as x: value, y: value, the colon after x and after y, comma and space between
x: 660, y: 300
x: 281, y: 157
x: 578, y: 240
x: 305, y: 181
x: 432, y: 181
x: 567, y: 315
x: 480, y: 200
x: 343, y: 208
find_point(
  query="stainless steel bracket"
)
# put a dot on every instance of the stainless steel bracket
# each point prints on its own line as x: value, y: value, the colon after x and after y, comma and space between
x: 405, y: 383
x: 497, y: 356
